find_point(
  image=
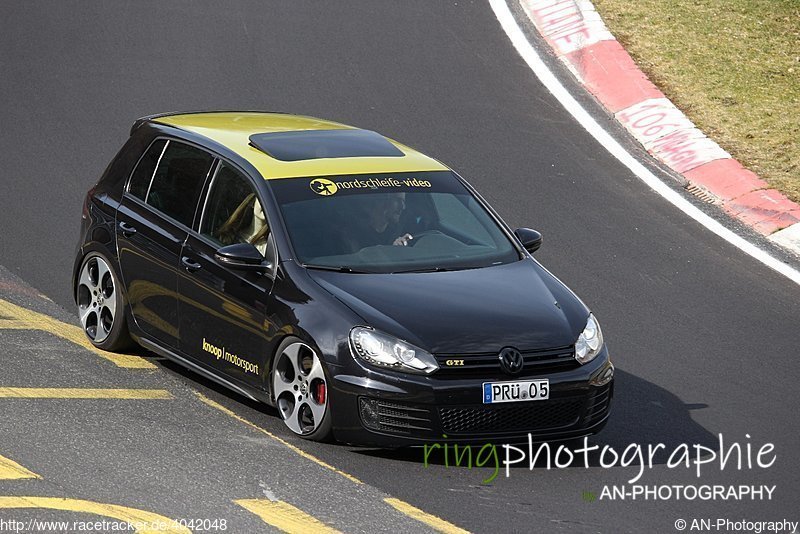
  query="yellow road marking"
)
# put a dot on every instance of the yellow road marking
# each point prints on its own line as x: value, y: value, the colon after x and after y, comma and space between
x: 285, y: 516
x: 83, y: 393
x: 295, y: 449
x: 431, y: 520
x: 18, y: 318
x: 11, y: 470
x: 145, y: 522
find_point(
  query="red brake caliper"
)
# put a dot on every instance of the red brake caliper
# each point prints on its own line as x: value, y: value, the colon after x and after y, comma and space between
x: 320, y: 392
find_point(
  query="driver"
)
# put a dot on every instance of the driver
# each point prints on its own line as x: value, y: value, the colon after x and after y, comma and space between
x: 382, y: 214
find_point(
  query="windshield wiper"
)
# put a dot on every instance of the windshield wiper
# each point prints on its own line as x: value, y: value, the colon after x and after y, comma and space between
x: 338, y: 269
x: 429, y: 270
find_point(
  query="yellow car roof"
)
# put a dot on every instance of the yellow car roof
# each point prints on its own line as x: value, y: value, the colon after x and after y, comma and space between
x: 233, y: 130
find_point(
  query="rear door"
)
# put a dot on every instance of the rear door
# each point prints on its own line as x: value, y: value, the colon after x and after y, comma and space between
x: 153, y: 221
x: 223, y: 311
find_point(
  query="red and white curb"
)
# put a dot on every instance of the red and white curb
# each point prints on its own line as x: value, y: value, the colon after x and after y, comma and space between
x: 580, y: 39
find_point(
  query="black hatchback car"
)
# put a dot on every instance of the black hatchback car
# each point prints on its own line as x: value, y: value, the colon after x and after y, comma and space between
x: 362, y: 288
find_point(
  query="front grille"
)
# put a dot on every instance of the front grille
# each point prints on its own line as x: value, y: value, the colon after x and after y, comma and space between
x: 488, y: 363
x: 394, y: 417
x: 531, y: 416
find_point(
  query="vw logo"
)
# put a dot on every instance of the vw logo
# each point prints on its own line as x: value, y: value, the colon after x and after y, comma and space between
x: 511, y: 361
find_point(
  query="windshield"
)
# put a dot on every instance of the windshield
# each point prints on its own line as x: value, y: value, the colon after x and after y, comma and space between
x: 402, y: 222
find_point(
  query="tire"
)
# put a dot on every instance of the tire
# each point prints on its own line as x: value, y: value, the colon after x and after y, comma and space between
x: 300, y: 387
x: 101, y: 306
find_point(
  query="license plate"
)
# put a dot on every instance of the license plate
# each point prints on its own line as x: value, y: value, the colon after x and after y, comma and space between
x: 530, y: 390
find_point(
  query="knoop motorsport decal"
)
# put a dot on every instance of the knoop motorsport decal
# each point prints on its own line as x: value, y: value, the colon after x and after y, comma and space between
x: 220, y: 352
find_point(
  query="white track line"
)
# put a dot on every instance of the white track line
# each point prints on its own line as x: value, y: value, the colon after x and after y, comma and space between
x: 548, y: 79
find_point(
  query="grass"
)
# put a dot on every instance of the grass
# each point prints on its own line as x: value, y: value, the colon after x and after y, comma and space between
x: 732, y: 66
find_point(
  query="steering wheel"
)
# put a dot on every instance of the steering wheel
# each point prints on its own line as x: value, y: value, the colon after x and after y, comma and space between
x: 425, y: 233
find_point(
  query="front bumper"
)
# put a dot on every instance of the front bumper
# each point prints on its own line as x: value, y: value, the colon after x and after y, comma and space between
x: 391, y: 409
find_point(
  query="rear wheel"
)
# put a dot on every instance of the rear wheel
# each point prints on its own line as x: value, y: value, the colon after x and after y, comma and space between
x: 100, y: 304
x: 301, y: 390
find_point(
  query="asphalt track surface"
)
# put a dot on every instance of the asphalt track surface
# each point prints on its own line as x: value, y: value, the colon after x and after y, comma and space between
x: 704, y: 338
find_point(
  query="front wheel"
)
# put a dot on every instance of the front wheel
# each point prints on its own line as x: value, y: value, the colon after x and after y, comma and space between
x: 301, y: 390
x: 100, y: 304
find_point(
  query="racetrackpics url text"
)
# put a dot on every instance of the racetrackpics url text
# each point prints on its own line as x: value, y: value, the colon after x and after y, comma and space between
x: 695, y: 457
x: 105, y: 525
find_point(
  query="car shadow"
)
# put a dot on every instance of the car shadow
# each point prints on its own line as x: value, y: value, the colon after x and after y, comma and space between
x: 642, y: 413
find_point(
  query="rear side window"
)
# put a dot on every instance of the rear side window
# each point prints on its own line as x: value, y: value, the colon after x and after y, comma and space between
x: 178, y: 180
x: 140, y: 181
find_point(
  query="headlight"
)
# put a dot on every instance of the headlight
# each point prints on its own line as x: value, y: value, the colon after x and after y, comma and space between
x: 589, y: 342
x: 386, y: 351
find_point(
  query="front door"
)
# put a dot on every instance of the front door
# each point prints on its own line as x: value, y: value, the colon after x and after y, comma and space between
x: 223, y: 311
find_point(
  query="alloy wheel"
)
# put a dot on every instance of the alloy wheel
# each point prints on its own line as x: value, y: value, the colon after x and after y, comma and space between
x: 97, y: 301
x: 300, y: 388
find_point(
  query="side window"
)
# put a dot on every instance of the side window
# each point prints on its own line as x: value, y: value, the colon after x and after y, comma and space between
x: 178, y: 180
x: 140, y: 180
x: 233, y: 213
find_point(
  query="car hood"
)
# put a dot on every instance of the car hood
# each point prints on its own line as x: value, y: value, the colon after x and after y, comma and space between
x: 518, y: 304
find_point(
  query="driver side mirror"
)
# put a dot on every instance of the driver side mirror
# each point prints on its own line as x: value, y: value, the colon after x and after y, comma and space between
x: 531, y: 239
x: 243, y: 256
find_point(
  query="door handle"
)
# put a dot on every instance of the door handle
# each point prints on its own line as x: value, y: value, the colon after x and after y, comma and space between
x: 127, y: 229
x: 190, y: 264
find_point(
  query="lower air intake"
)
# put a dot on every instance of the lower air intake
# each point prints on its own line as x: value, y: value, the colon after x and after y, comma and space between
x: 546, y: 415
